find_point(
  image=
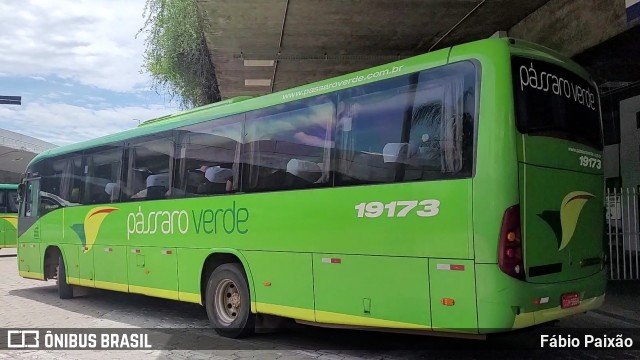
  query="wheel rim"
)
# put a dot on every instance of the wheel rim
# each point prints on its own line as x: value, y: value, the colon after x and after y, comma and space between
x: 227, y: 301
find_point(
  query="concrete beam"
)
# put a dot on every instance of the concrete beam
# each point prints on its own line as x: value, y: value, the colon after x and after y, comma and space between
x: 8, y: 177
x: 571, y: 26
x: 322, y: 39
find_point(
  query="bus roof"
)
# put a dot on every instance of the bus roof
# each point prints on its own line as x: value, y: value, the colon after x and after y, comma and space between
x: 8, y: 186
x: 246, y: 103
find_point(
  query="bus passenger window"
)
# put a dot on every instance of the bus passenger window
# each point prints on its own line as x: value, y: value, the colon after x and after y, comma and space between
x: 407, y: 128
x: 289, y: 146
x: 208, y: 158
x: 102, y: 177
x: 60, y: 182
x: 150, y: 161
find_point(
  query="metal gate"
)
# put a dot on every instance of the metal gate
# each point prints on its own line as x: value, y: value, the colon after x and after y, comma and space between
x: 622, y: 230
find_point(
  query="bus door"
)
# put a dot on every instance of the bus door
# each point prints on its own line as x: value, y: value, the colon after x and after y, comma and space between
x: 29, y: 232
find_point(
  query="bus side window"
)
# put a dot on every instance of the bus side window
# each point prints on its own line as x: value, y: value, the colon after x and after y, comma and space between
x: 31, y: 200
x: 208, y: 158
x: 407, y: 128
x: 102, y: 176
x: 27, y: 201
x: 150, y: 165
x: 59, y: 178
x: 289, y: 146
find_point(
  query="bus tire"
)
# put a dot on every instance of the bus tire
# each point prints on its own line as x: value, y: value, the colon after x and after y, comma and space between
x: 65, y: 291
x: 228, y: 302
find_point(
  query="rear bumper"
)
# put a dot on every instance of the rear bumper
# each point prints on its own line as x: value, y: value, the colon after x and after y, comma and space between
x: 505, y: 303
x: 542, y: 316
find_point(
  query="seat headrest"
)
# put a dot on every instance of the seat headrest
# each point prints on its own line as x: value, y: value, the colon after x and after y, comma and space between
x: 395, y: 152
x: 218, y: 175
x: 297, y: 167
x: 111, y: 188
x: 158, y: 180
x: 306, y: 170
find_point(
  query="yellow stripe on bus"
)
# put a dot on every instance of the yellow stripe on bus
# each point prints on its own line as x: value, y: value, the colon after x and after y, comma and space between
x: 161, y: 293
x: 190, y: 297
x: 31, y: 275
x: 287, y: 311
x: 337, y: 318
x: 334, y: 318
x: 112, y: 286
x: 86, y: 282
x: 166, y: 294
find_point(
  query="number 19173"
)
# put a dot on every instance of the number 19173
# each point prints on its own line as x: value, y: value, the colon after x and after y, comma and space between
x: 590, y: 162
x: 374, y: 209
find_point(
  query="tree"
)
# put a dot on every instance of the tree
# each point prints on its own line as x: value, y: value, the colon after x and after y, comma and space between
x: 176, y: 53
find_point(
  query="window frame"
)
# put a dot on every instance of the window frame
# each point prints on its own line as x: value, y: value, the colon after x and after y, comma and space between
x: 180, y: 170
x: 129, y: 159
x: 289, y: 107
x: 87, y: 171
x: 476, y: 74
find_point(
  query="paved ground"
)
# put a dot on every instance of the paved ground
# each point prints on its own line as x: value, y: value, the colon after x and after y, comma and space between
x: 30, y: 303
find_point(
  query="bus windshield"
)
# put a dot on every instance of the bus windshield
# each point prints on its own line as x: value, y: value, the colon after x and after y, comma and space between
x: 552, y: 101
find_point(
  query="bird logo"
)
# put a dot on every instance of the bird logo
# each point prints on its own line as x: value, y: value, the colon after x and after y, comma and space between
x: 88, y: 230
x: 564, y: 222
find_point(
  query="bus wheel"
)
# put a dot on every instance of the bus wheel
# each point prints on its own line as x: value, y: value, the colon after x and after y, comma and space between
x: 65, y: 291
x: 228, y: 303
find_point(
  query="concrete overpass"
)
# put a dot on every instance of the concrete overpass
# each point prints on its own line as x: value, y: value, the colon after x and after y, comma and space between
x: 261, y: 46
x: 16, y: 150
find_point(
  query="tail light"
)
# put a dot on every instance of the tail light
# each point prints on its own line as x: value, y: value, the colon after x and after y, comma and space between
x: 510, y: 258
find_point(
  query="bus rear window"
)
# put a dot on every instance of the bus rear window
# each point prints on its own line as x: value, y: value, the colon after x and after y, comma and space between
x: 552, y: 101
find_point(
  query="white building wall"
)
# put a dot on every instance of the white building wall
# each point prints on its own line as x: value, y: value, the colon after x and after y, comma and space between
x: 611, y: 161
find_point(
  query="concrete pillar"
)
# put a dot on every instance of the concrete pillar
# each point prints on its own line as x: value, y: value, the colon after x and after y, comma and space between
x: 630, y: 142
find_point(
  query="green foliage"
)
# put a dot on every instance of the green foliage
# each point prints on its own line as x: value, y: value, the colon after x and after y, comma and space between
x: 176, y: 54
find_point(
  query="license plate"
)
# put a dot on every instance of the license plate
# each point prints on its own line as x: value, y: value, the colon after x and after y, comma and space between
x: 570, y: 300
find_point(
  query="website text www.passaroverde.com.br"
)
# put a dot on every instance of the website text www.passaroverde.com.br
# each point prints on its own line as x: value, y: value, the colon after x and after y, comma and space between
x: 343, y: 83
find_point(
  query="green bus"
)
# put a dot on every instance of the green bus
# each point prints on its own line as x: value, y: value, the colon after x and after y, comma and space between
x: 8, y: 215
x: 458, y: 191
